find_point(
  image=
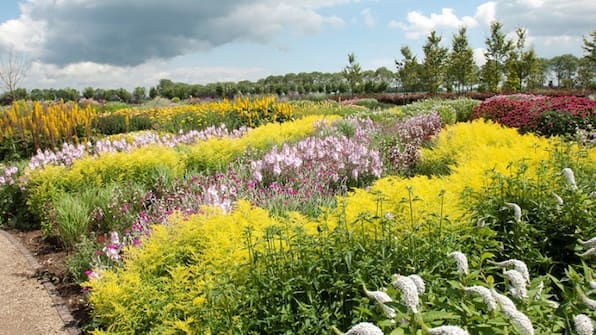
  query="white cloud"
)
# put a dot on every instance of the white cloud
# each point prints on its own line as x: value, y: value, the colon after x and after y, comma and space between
x: 84, y: 74
x: 368, y: 18
x: 420, y: 25
x: 479, y: 57
x: 552, y: 25
x: 485, y: 13
x: 131, y: 32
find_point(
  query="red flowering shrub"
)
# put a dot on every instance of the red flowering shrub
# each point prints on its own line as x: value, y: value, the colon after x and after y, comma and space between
x: 544, y: 115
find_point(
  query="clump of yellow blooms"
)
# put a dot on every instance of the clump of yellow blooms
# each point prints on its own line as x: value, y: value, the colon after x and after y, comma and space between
x: 473, y: 149
x: 245, y: 111
x: 46, y: 126
x: 176, y: 269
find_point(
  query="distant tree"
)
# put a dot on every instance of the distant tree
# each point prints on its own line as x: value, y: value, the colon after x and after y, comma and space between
x: 13, y: 69
x: 537, y: 78
x: 565, y: 68
x: 586, y: 72
x: 520, y: 63
x: 352, y: 73
x: 590, y: 48
x: 88, y: 92
x: 36, y: 94
x: 99, y: 94
x: 166, y: 88
x: 461, y: 69
x: 138, y: 94
x: 497, y: 50
x: 153, y: 92
x: 408, y: 70
x: 435, y: 57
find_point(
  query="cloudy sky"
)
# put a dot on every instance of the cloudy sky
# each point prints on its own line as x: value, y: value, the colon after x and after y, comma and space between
x: 129, y: 43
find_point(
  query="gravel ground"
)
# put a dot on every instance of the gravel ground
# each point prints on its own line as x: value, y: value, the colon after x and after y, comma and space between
x: 26, y: 306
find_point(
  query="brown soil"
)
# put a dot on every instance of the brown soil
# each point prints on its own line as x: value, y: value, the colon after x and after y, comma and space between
x: 52, y: 259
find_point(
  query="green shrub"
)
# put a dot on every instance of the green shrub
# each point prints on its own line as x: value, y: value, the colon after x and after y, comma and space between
x: 369, y: 103
x: 450, y: 110
x: 71, y: 219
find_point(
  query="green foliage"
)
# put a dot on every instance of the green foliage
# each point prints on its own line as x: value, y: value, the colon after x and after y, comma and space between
x: 71, y: 217
x: 450, y: 111
x: 79, y: 262
x: 369, y: 103
x: 547, y: 234
x: 114, y: 123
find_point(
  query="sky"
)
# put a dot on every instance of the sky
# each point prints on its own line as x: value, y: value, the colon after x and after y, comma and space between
x: 130, y: 43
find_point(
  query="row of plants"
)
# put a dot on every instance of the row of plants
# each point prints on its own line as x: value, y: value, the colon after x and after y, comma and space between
x: 243, y: 270
x: 27, y: 127
x: 241, y: 111
x: 539, y: 114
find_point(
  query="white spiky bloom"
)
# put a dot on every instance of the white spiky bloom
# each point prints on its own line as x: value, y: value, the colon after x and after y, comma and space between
x: 517, y: 284
x: 364, y: 328
x: 446, y: 330
x: 591, y: 303
x: 461, y: 261
x: 558, y: 199
x: 420, y: 286
x: 590, y: 252
x: 517, y: 213
x: 583, y: 324
x: 409, y: 291
x: 593, y: 285
x: 521, y: 321
x: 518, y: 265
x: 539, y: 290
x: 485, y: 294
x: 553, y: 304
x: 591, y: 243
x: 381, y: 298
x: 503, y: 301
x: 570, y: 178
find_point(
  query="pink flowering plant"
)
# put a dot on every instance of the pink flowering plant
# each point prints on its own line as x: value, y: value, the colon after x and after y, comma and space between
x: 544, y: 115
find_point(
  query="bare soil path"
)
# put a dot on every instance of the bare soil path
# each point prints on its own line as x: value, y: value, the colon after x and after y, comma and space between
x: 28, y: 305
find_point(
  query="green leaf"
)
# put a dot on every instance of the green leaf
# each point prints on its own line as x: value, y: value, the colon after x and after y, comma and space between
x: 397, y: 331
x: 438, y: 315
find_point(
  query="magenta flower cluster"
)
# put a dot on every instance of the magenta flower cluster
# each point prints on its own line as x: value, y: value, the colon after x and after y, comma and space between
x: 411, y: 134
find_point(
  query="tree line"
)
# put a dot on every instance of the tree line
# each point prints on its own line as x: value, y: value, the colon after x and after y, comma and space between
x: 511, y: 66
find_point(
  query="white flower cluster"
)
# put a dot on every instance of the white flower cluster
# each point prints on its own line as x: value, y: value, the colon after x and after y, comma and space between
x: 381, y: 298
x: 364, y: 328
x: 446, y: 330
x: 519, y: 319
x: 517, y: 212
x: 409, y: 291
x: 570, y: 178
x: 485, y: 294
x: 590, y: 245
x: 461, y: 261
x: 583, y: 324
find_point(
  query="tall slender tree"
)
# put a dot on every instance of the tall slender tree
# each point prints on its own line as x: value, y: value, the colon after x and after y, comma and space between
x: 565, y: 68
x: 520, y: 63
x: 461, y: 71
x: 435, y: 57
x: 497, y: 50
x: 353, y: 73
x: 408, y: 70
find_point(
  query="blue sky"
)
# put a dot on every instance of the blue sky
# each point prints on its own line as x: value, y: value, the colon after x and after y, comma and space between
x: 129, y: 43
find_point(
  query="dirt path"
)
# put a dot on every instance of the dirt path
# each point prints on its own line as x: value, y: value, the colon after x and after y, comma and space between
x: 28, y: 306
